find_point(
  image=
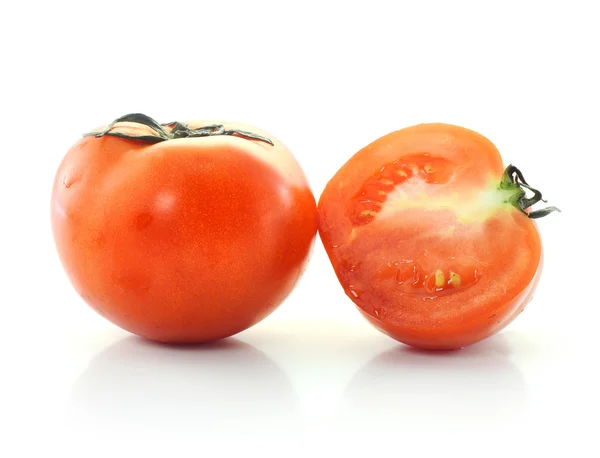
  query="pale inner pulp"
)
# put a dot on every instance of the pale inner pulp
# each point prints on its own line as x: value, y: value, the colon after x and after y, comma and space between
x: 470, y: 205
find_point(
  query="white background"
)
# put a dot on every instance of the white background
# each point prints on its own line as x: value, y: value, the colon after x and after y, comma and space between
x: 326, y: 78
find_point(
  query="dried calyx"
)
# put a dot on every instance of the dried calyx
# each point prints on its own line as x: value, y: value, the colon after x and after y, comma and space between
x: 513, y: 180
x: 175, y: 130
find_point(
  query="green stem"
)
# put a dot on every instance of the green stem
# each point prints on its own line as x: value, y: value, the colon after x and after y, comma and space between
x: 178, y: 130
x: 513, y: 180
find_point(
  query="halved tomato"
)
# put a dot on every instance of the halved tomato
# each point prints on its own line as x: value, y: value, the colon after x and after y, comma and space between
x: 431, y: 237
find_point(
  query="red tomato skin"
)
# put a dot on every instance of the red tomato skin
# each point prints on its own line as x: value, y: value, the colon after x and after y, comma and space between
x: 185, y: 241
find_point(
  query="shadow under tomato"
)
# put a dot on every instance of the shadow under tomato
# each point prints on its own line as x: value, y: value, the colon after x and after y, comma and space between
x: 136, y: 388
x: 408, y: 390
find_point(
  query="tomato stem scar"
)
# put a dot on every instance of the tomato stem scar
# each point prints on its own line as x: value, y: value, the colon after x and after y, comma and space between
x: 177, y: 130
x: 513, y: 180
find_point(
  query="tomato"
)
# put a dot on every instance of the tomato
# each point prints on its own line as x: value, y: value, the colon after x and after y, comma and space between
x: 431, y: 238
x: 183, y: 232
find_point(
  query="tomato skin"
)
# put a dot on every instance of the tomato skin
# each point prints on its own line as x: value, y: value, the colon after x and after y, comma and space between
x: 187, y: 240
x: 423, y: 204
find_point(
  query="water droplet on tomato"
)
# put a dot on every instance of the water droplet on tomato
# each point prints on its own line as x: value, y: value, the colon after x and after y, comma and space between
x: 143, y: 220
x: 70, y: 179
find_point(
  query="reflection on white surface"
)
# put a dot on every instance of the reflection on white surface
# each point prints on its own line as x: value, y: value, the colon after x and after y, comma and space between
x: 404, y: 389
x: 136, y: 387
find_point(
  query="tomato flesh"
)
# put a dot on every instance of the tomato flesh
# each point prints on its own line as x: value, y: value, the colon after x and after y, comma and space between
x: 423, y: 240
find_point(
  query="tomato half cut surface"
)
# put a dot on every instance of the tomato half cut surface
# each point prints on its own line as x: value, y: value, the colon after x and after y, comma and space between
x: 431, y: 237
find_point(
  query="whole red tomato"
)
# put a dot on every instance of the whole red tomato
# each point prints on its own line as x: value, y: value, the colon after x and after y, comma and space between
x: 432, y: 237
x: 182, y: 232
